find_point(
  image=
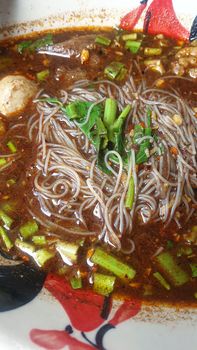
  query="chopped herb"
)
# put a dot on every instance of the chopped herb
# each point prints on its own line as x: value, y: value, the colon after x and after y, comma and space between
x: 102, y: 40
x: 103, y: 284
x: 28, y: 229
x: 161, y: 280
x: 43, y: 75
x: 5, y: 238
x: 76, y: 282
x: 133, y: 46
x: 12, y: 147
x: 113, y: 70
x: 130, y: 194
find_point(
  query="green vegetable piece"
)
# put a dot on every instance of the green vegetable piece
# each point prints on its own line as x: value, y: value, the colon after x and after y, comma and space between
x: 12, y: 147
x: 115, y: 131
x: 161, y: 280
x: 173, y: 272
x: 6, y: 219
x: 112, y: 264
x: 2, y: 162
x: 138, y: 133
x: 39, y: 240
x: 122, y: 74
x: 152, y: 51
x: 130, y: 194
x: 184, y: 250
x: 25, y: 247
x: 68, y: 251
x: 41, y: 256
x: 28, y: 229
x: 35, y: 45
x: 133, y: 46
x: 113, y: 69
x: 43, y: 75
x: 110, y: 112
x: 131, y: 36
x: 102, y: 40
x: 103, y: 284
x: 23, y: 45
x: 71, y: 110
x: 5, y: 238
x: 76, y: 282
x: 194, y: 269
x: 8, y: 206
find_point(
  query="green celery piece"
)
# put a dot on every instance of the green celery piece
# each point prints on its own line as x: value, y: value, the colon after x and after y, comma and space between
x: 6, y: 219
x: 76, y: 282
x: 110, y: 112
x: 12, y: 147
x: 41, y: 256
x: 28, y: 229
x: 133, y: 46
x: 102, y: 40
x: 130, y: 194
x: 113, y: 69
x: 170, y: 268
x: 112, y: 264
x: 193, y: 266
x: 43, y: 75
x: 68, y: 251
x: 161, y: 280
x: 103, y: 284
x: 25, y: 247
x: 39, y: 240
x: 5, y: 238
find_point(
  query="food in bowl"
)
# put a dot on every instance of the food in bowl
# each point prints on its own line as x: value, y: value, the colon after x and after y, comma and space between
x: 98, y: 160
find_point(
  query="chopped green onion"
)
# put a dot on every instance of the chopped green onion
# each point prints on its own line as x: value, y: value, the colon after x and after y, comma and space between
x: 162, y: 280
x: 169, y: 266
x: 2, y: 162
x: 27, y: 248
x: 12, y: 147
x: 109, y: 112
x: 152, y: 51
x: 76, y: 282
x: 28, y: 229
x: 39, y: 240
x: 131, y: 36
x: 23, y: 45
x: 34, y: 45
x: 102, y: 40
x: 133, y: 46
x: 7, y: 220
x: 41, y: 256
x: 194, y: 269
x: 68, y: 251
x: 130, y: 194
x: 43, y: 75
x: 112, y: 264
x: 155, y: 65
x: 103, y: 284
x: 122, y: 74
x: 3, y: 234
x: 113, y: 70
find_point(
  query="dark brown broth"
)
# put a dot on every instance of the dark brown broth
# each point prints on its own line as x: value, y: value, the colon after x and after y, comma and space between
x: 148, y: 238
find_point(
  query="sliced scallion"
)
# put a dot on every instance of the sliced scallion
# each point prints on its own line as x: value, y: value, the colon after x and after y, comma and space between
x: 39, y: 240
x: 193, y: 267
x: 102, y: 40
x: 130, y: 194
x: 76, y: 282
x: 112, y: 264
x: 171, y: 269
x: 103, y: 284
x: 6, y: 219
x: 113, y: 69
x: 161, y: 280
x: 152, y: 51
x: 133, y: 46
x: 109, y: 112
x: 41, y: 256
x: 7, y: 241
x: 25, y: 247
x: 2, y: 162
x: 68, y: 251
x: 43, y: 75
x: 12, y: 147
x: 131, y: 36
x: 28, y: 229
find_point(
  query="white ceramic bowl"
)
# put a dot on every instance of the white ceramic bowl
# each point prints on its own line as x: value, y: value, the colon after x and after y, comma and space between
x: 135, y: 326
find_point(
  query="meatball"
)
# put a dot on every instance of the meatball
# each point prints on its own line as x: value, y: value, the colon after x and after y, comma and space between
x: 15, y: 93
